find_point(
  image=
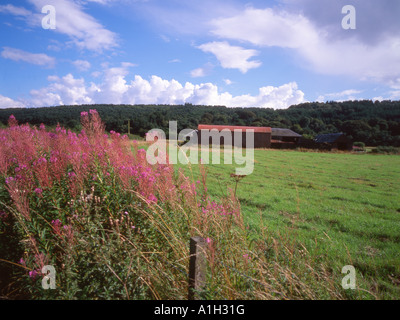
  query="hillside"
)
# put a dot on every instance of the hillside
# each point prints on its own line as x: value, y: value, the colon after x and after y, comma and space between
x: 374, y: 123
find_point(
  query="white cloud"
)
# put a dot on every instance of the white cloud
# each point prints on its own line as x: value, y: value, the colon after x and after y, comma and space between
x: 394, y: 94
x: 114, y: 88
x: 315, y: 47
x: 197, y: 73
x: 127, y: 64
x: 99, y: 1
x: 83, y: 30
x: 17, y: 11
x: 52, y: 78
x: 349, y: 92
x: 202, y: 72
x: 71, y: 20
x: 228, y: 82
x: 82, y: 65
x: 232, y: 57
x: 271, y: 97
x: 344, y: 95
x: 6, y: 102
x: 106, y: 2
x: 53, y: 47
x: 353, y: 58
x: 266, y: 27
x: 40, y: 59
x: 96, y: 74
x: 62, y: 91
x: 391, y: 95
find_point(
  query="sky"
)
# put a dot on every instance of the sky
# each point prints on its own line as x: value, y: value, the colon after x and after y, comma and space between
x: 267, y: 54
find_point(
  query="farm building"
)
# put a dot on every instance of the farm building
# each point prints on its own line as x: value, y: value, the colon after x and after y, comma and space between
x: 334, y: 141
x: 284, y: 138
x: 308, y: 143
x: 262, y: 135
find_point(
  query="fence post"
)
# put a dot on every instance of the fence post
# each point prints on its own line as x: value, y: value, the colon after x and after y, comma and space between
x: 197, y: 266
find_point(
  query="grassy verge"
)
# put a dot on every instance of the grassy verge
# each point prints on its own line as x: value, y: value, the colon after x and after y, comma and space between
x: 343, y: 208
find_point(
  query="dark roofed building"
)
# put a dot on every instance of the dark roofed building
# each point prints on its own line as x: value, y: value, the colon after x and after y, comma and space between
x: 308, y: 143
x: 334, y: 141
x: 284, y: 138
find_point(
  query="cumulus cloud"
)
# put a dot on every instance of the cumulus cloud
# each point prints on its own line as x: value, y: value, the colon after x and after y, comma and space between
x: 40, y: 59
x: 231, y: 57
x: 62, y: 91
x: 71, y: 20
x: 6, y: 102
x: 271, y: 97
x: 115, y: 88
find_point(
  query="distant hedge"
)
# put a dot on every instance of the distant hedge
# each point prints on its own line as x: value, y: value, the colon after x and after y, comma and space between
x: 386, y: 150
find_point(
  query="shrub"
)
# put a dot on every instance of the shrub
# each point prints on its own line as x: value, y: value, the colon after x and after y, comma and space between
x: 359, y: 144
x: 386, y: 150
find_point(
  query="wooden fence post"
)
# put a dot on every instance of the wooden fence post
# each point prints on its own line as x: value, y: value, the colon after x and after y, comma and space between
x: 197, y: 266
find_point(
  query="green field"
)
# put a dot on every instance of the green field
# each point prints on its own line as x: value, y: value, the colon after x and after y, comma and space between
x: 344, y: 208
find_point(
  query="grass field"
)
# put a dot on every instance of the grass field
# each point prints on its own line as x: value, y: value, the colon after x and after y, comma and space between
x: 116, y: 227
x: 344, y: 208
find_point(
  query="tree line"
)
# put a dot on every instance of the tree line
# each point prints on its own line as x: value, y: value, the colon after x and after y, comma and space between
x: 372, y: 122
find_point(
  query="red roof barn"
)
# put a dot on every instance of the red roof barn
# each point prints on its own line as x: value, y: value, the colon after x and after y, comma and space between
x: 262, y: 135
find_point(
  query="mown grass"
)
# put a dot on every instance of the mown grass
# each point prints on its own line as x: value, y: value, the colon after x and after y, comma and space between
x: 343, y: 208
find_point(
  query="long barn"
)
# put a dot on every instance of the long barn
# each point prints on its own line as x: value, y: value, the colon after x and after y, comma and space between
x: 262, y: 135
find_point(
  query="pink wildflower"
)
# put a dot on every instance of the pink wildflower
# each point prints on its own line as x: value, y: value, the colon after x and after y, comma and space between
x: 56, y: 226
x: 33, y: 274
x: 9, y: 179
x: 71, y: 174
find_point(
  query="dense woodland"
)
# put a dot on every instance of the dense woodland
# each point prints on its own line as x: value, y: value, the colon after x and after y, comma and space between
x: 374, y: 123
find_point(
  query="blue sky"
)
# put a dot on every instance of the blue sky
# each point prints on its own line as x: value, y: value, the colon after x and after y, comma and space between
x: 269, y: 54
